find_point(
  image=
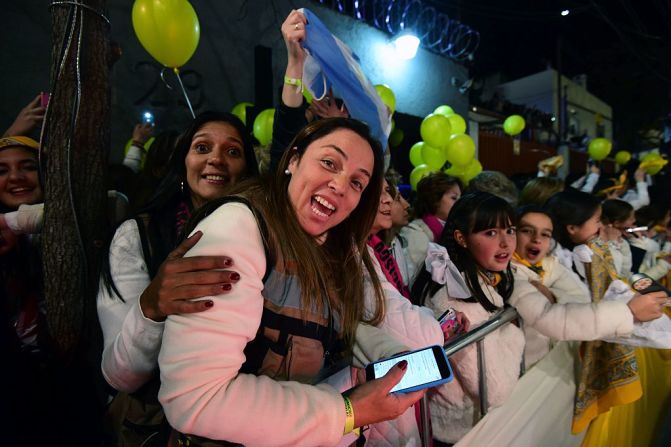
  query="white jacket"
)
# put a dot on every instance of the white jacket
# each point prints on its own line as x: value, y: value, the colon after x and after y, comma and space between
x: 416, y: 327
x: 651, y: 265
x: 417, y: 235
x: 131, y: 341
x: 454, y: 406
x: 573, y: 317
x: 202, y: 390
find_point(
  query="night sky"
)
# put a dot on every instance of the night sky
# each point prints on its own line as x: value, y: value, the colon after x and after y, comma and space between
x: 624, y: 47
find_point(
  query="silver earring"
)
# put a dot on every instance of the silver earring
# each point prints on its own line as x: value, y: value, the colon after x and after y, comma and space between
x: 181, y: 186
x: 287, y: 171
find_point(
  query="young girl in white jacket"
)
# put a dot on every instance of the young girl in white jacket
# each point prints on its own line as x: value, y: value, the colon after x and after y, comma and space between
x: 567, y: 312
x: 476, y: 245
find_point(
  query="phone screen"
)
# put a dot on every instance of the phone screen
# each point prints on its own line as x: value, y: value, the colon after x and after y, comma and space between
x: 422, y: 368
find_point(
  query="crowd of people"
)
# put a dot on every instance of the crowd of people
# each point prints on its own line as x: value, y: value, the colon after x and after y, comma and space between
x: 238, y: 305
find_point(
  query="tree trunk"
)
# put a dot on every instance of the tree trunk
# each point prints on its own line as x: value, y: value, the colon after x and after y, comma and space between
x: 75, y: 145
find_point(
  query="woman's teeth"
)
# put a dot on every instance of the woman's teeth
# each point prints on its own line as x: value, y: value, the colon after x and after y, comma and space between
x: 325, y: 203
x: 216, y: 178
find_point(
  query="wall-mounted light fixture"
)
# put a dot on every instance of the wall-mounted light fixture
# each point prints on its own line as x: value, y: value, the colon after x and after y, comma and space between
x: 405, y: 45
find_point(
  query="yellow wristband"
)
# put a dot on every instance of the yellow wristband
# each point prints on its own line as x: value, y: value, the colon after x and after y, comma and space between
x: 293, y: 81
x: 349, y: 416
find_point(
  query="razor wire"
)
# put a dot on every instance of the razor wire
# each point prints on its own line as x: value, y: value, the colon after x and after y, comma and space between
x: 436, y: 31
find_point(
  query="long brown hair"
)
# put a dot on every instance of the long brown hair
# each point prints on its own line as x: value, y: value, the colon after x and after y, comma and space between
x: 329, y: 274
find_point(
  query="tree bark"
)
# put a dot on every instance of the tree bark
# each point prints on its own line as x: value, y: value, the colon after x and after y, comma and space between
x: 75, y: 145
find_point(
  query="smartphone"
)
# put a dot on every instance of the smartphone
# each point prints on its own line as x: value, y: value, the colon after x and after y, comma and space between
x: 44, y: 99
x: 427, y: 367
x: 636, y: 229
x: 643, y: 284
x: 148, y: 117
x: 449, y: 324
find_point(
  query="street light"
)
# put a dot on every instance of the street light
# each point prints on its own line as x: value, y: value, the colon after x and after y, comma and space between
x: 406, y: 45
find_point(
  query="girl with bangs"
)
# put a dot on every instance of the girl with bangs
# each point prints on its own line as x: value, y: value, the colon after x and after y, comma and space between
x: 469, y: 271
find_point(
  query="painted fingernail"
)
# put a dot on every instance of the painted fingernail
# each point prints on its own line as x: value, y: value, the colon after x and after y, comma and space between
x: 235, y: 276
x: 226, y: 287
x: 403, y: 364
x: 209, y: 303
x: 228, y: 262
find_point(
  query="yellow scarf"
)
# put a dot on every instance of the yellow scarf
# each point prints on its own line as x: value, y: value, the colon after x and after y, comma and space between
x: 491, y: 278
x: 536, y: 268
x: 608, y: 374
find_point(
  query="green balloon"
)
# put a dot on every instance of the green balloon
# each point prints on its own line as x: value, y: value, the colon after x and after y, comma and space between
x: 471, y: 170
x: 436, y: 130
x: 416, y: 154
x: 444, y: 110
x: 419, y: 173
x: 599, y: 148
x: 263, y: 126
x: 460, y: 150
x: 434, y: 157
x: 455, y: 171
x: 396, y: 137
x: 457, y: 124
x: 387, y: 96
x: 513, y: 125
x: 622, y: 157
x: 240, y: 110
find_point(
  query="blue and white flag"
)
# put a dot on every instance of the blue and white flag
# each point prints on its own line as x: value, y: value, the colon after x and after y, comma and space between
x: 331, y: 64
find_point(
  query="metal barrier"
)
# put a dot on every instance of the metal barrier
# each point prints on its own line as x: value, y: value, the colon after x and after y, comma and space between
x: 456, y: 344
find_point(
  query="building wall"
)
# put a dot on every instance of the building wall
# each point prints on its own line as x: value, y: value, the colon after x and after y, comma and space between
x: 583, y: 108
x: 220, y: 73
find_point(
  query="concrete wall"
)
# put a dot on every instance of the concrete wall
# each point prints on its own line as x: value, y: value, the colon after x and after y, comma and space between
x: 220, y: 74
x: 540, y: 91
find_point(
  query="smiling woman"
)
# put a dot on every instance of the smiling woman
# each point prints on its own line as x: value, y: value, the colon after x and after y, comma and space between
x: 19, y: 177
x: 145, y: 279
x: 299, y: 244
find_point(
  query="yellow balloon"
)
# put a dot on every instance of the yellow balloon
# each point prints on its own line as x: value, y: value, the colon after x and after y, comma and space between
x: 387, y: 96
x: 436, y: 130
x: 444, y: 110
x: 263, y: 126
x: 419, y: 173
x: 240, y: 110
x: 652, y: 163
x: 434, y: 157
x: 622, y: 157
x: 416, y: 154
x: 471, y: 170
x: 458, y: 124
x: 460, y: 150
x: 168, y: 29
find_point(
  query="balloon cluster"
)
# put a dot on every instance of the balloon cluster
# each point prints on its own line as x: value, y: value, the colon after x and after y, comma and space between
x: 444, y: 140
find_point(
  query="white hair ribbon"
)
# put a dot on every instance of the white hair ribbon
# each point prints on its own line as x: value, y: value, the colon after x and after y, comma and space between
x: 443, y: 271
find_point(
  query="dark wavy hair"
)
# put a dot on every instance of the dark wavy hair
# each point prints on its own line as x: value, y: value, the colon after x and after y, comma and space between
x: 430, y: 191
x: 615, y: 210
x: 160, y: 209
x: 570, y: 207
x: 334, y: 268
x: 472, y: 213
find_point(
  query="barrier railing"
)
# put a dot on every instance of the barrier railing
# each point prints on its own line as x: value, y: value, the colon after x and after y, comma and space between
x: 456, y: 344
